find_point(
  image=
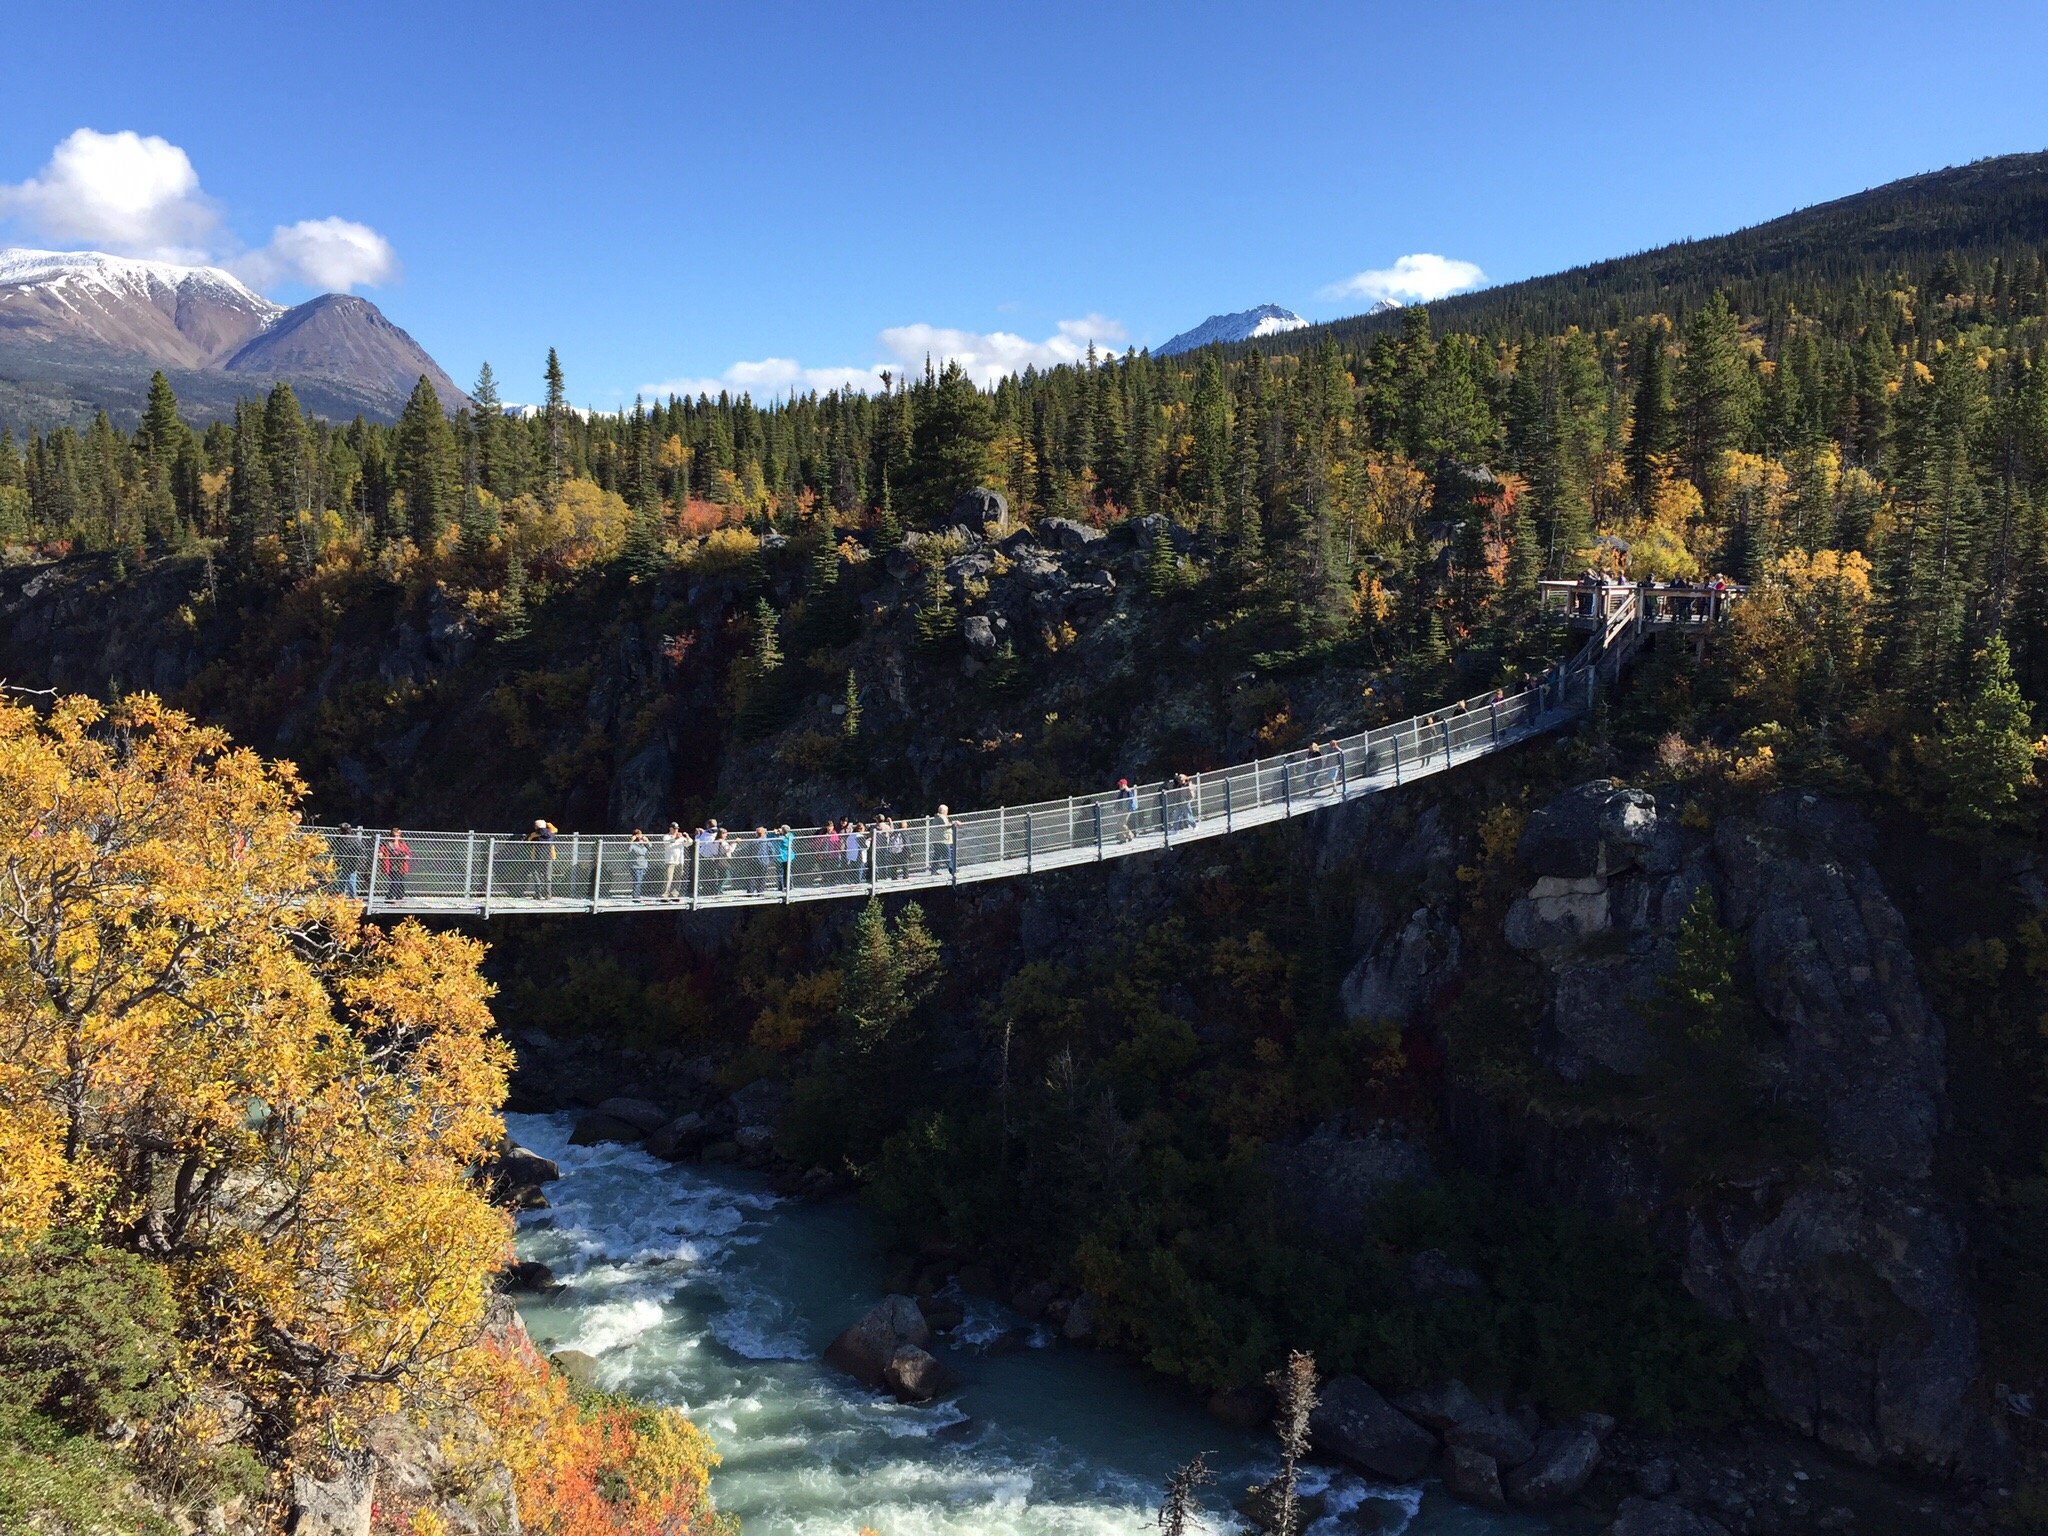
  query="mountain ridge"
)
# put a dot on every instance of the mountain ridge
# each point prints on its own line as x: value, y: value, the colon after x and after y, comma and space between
x: 81, y: 330
x: 1242, y: 325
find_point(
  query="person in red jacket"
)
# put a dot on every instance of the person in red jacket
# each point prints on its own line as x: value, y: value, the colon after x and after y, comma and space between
x: 395, y: 863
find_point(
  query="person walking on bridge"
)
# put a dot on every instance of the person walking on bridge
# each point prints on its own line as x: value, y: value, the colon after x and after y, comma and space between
x: 855, y: 843
x: 763, y: 855
x: 1127, y: 798
x: 395, y: 861
x: 945, y: 849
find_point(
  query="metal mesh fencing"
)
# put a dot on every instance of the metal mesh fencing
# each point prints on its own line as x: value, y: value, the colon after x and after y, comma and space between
x: 401, y: 870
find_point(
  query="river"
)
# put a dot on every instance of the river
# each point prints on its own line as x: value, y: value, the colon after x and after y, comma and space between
x: 700, y: 1288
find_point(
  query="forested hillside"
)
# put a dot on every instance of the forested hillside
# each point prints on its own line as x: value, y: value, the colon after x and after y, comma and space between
x: 710, y: 607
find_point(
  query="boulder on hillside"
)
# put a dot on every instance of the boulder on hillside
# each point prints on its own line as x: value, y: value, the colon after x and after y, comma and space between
x: 916, y: 1375
x: 980, y: 634
x: 579, y: 1367
x: 338, y: 1505
x: 1066, y: 534
x: 1474, y: 1477
x: 865, y: 1350
x: 1362, y: 1429
x: 1661, y: 1517
x: 1495, y: 1435
x: 1562, y: 1463
x: 981, y: 509
x: 642, y: 1116
x: 1596, y: 829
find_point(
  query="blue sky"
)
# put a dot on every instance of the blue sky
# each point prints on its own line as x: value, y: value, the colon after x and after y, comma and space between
x: 806, y: 192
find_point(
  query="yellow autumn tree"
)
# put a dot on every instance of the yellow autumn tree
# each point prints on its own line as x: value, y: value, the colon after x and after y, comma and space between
x: 1799, y: 645
x: 208, y: 1061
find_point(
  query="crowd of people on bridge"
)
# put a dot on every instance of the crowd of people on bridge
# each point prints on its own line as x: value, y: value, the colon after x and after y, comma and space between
x: 714, y: 861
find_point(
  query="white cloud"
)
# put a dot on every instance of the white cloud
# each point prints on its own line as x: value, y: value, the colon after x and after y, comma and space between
x: 985, y: 356
x: 125, y: 192
x: 1416, y: 279
x: 334, y: 255
x: 138, y: 195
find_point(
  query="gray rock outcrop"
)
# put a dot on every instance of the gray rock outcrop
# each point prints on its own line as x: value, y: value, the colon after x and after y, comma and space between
x: 1360, y: 1428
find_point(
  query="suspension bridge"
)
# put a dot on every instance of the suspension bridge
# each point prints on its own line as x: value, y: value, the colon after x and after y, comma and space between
x: 481, y: 874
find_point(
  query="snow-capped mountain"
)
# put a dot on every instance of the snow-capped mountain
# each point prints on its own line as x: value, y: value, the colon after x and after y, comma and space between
x: 85, y: 329
x: 185, y: 317
x: 1245, y: 325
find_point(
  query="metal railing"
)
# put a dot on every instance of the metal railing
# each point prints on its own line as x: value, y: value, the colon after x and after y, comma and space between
x: 486, y: 874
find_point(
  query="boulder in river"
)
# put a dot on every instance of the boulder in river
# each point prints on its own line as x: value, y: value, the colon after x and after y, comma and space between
x: 595, y: 1127
x: 1439, y: 1405
x: 644, y: 1117
x: 1362, y: 1429
x: 529, y: 1277
x: 515, y: 1175
x: 1474, y: 1477
x: 579, y: 1367
x: 1261, y: 1506
x: 682, y: 1136
x: 916, y: 1375
x: 1495, y: 1435
x: 1561, y: 1465
x: 865, y: 1350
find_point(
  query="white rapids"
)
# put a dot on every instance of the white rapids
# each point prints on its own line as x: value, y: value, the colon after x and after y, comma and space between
x: 699, y: 1288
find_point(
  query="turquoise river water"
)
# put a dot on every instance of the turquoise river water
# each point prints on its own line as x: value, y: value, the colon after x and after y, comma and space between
x: 698, y: 1287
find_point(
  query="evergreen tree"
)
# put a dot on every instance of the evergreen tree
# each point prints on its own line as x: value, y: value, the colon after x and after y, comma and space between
x: 1714, y: 394
x: 950, y: 441
x: 426, y: 469
x: 937, y: 619
x: 512, y: 621
x: 248, y: 497
x: 889, y: 969
x: 1980, y: 763
x: 1653, y: 431
x: 646, y: 551
x: 556, y: 413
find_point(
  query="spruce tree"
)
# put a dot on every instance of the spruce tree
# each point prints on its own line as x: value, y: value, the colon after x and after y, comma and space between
x: 1652, y: 430
x: 425, y: 450
x: 949, y: 441
x: 556, y: 412
x: 1715, y: 392
x: 512, y: 621
x: 937, y: 619
x: 1980, y: 764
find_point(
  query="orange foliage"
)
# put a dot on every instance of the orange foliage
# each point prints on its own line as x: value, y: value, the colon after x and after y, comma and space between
x: 700, y: 517
x: 591, y: 1464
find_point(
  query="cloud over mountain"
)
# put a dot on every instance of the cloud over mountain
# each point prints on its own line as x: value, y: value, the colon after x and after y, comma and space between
x: 1414, y: 279
x: 134, y: 194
